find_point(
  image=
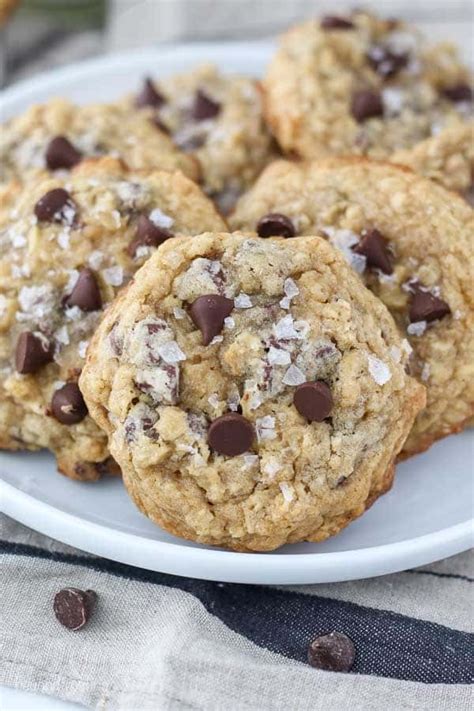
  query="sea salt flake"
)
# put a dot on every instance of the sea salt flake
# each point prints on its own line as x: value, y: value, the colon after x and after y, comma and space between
x: 379, y: 370
x: 82, y: 348
x: 406, y: 347
x: 63, y: 239
x: 287, y: 491
x: 425, y: 372
x: 73, y: 313
x: 344, y: 240
x: 18, y: 241
x: 255, y: 401
x: 278, y: 356
x: 229, y: 322
x: 113, y: 276
x: 417, y: 328
x: 233, y: 402
x: 285, y: 330
x: 171, y: 352
x: 393, y: 100
x: 242, y: 301
x: 142, y: 251
x: 216, y: 339
x: 395, y: 354
x: 294, y: 376
x: 96, y: 259
x: 62, y: 335
x: 250, y: 460
x: 159, y: 218
x: 178, y: 313
x: 213, y: 400
x: 271, y: 467
x: 73, y: 276
x: 265, y: 427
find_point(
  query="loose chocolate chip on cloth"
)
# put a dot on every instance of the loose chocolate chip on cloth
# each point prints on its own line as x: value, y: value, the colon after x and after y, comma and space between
x: 73, y: 607
x: 411, y: 242
x: 230, y: 405
x: 69, y: 244
x: 159, y: 641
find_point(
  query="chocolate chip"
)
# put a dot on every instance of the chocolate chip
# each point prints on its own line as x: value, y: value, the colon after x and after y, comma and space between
x: 230, y: 434
x: 208, y: 313
x: 385, y: 62
x: 148, y: 235
x: 332, y: 652
x: 32, y: 352
x: 372, y: 246
x: 204, y: 107
x: 60, y: 153
x: 86, y: 292
x: 275, y: 225
x: 458, y: 92
x: 149, y: 96
x: 56, y: 206
x: 67, y: 404
x: 427, y: 307
x: 73, y: 607
x: 333, y: 22
x: 366, y: 104
x: 313, y: 400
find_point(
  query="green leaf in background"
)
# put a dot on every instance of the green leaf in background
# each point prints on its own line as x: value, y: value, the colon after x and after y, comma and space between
x: 70, y: 14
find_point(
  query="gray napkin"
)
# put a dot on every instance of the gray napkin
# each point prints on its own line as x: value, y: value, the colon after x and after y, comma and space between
x: 159, y: 642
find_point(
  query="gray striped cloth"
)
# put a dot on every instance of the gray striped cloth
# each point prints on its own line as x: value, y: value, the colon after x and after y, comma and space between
x: 159, y: 642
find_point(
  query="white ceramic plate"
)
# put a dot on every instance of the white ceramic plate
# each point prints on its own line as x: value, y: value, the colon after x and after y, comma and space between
x: 427, y: 515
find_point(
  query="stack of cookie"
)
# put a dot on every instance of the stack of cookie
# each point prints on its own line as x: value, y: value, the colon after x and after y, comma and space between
x: 269, y: 349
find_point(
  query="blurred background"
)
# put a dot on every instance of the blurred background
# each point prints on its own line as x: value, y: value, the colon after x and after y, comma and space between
x: 40, y: 34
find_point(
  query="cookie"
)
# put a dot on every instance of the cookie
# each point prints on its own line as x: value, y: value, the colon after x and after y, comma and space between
x: 412, y: 242
x: 67, y: 245
x: 254, y: 390
x: 362, y: 85
x: 217, y: 118
x: 58, y: 135
x: 447, y: 158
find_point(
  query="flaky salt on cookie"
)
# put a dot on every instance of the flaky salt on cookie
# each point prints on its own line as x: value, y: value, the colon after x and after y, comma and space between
x: 68, y: 246
x: 254, y: 392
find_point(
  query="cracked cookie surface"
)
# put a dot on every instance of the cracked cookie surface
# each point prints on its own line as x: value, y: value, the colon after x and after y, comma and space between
x: 67, y: 245
x: 219, y: 119
x: 254, y: 391
x: 412, y: 242
x: 371, y: 87
x: 57, y: 135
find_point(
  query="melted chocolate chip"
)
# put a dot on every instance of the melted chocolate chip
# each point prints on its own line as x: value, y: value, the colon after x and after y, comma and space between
x: 86, y: 292
x: 148, y: 235
x: 366, y: 104
x: 208, y: 313
x: 231, y: 434
x: 385, y: 62
x: 333, y: 22
x: 53, y: 207
x: 149, y: 95
x: 458, y: 92
x: 60, y: 153
x: 427, y: 307
x: 67, y: 404
x: 32, y: 352
x: 204, y: 107
x: 372, y: 246
x: 313, y: 400
x: 74, y: 607
x: 333, y: 652
x: 275, y: 225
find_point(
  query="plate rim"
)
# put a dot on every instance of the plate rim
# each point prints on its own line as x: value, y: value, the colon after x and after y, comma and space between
x: 254, y: 568
x: 174, y: 558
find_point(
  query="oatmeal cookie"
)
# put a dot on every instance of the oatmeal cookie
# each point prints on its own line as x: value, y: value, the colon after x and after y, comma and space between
x: 67, y: 245
x: 254, y: 391
x: 58, y: 135
x: 362, y: 85
x: 412, y: 243
x: 217, y: 118
x: 447, y: 158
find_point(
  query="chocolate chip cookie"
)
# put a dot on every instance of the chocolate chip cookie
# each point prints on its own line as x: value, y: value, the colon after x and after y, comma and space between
x: 67, y: 245
x: 447, y: 158
x: 362, y: 85
x: 58, y: 135
x: 217, y: 118
x: 254, y: 391
x: 411, y: 241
